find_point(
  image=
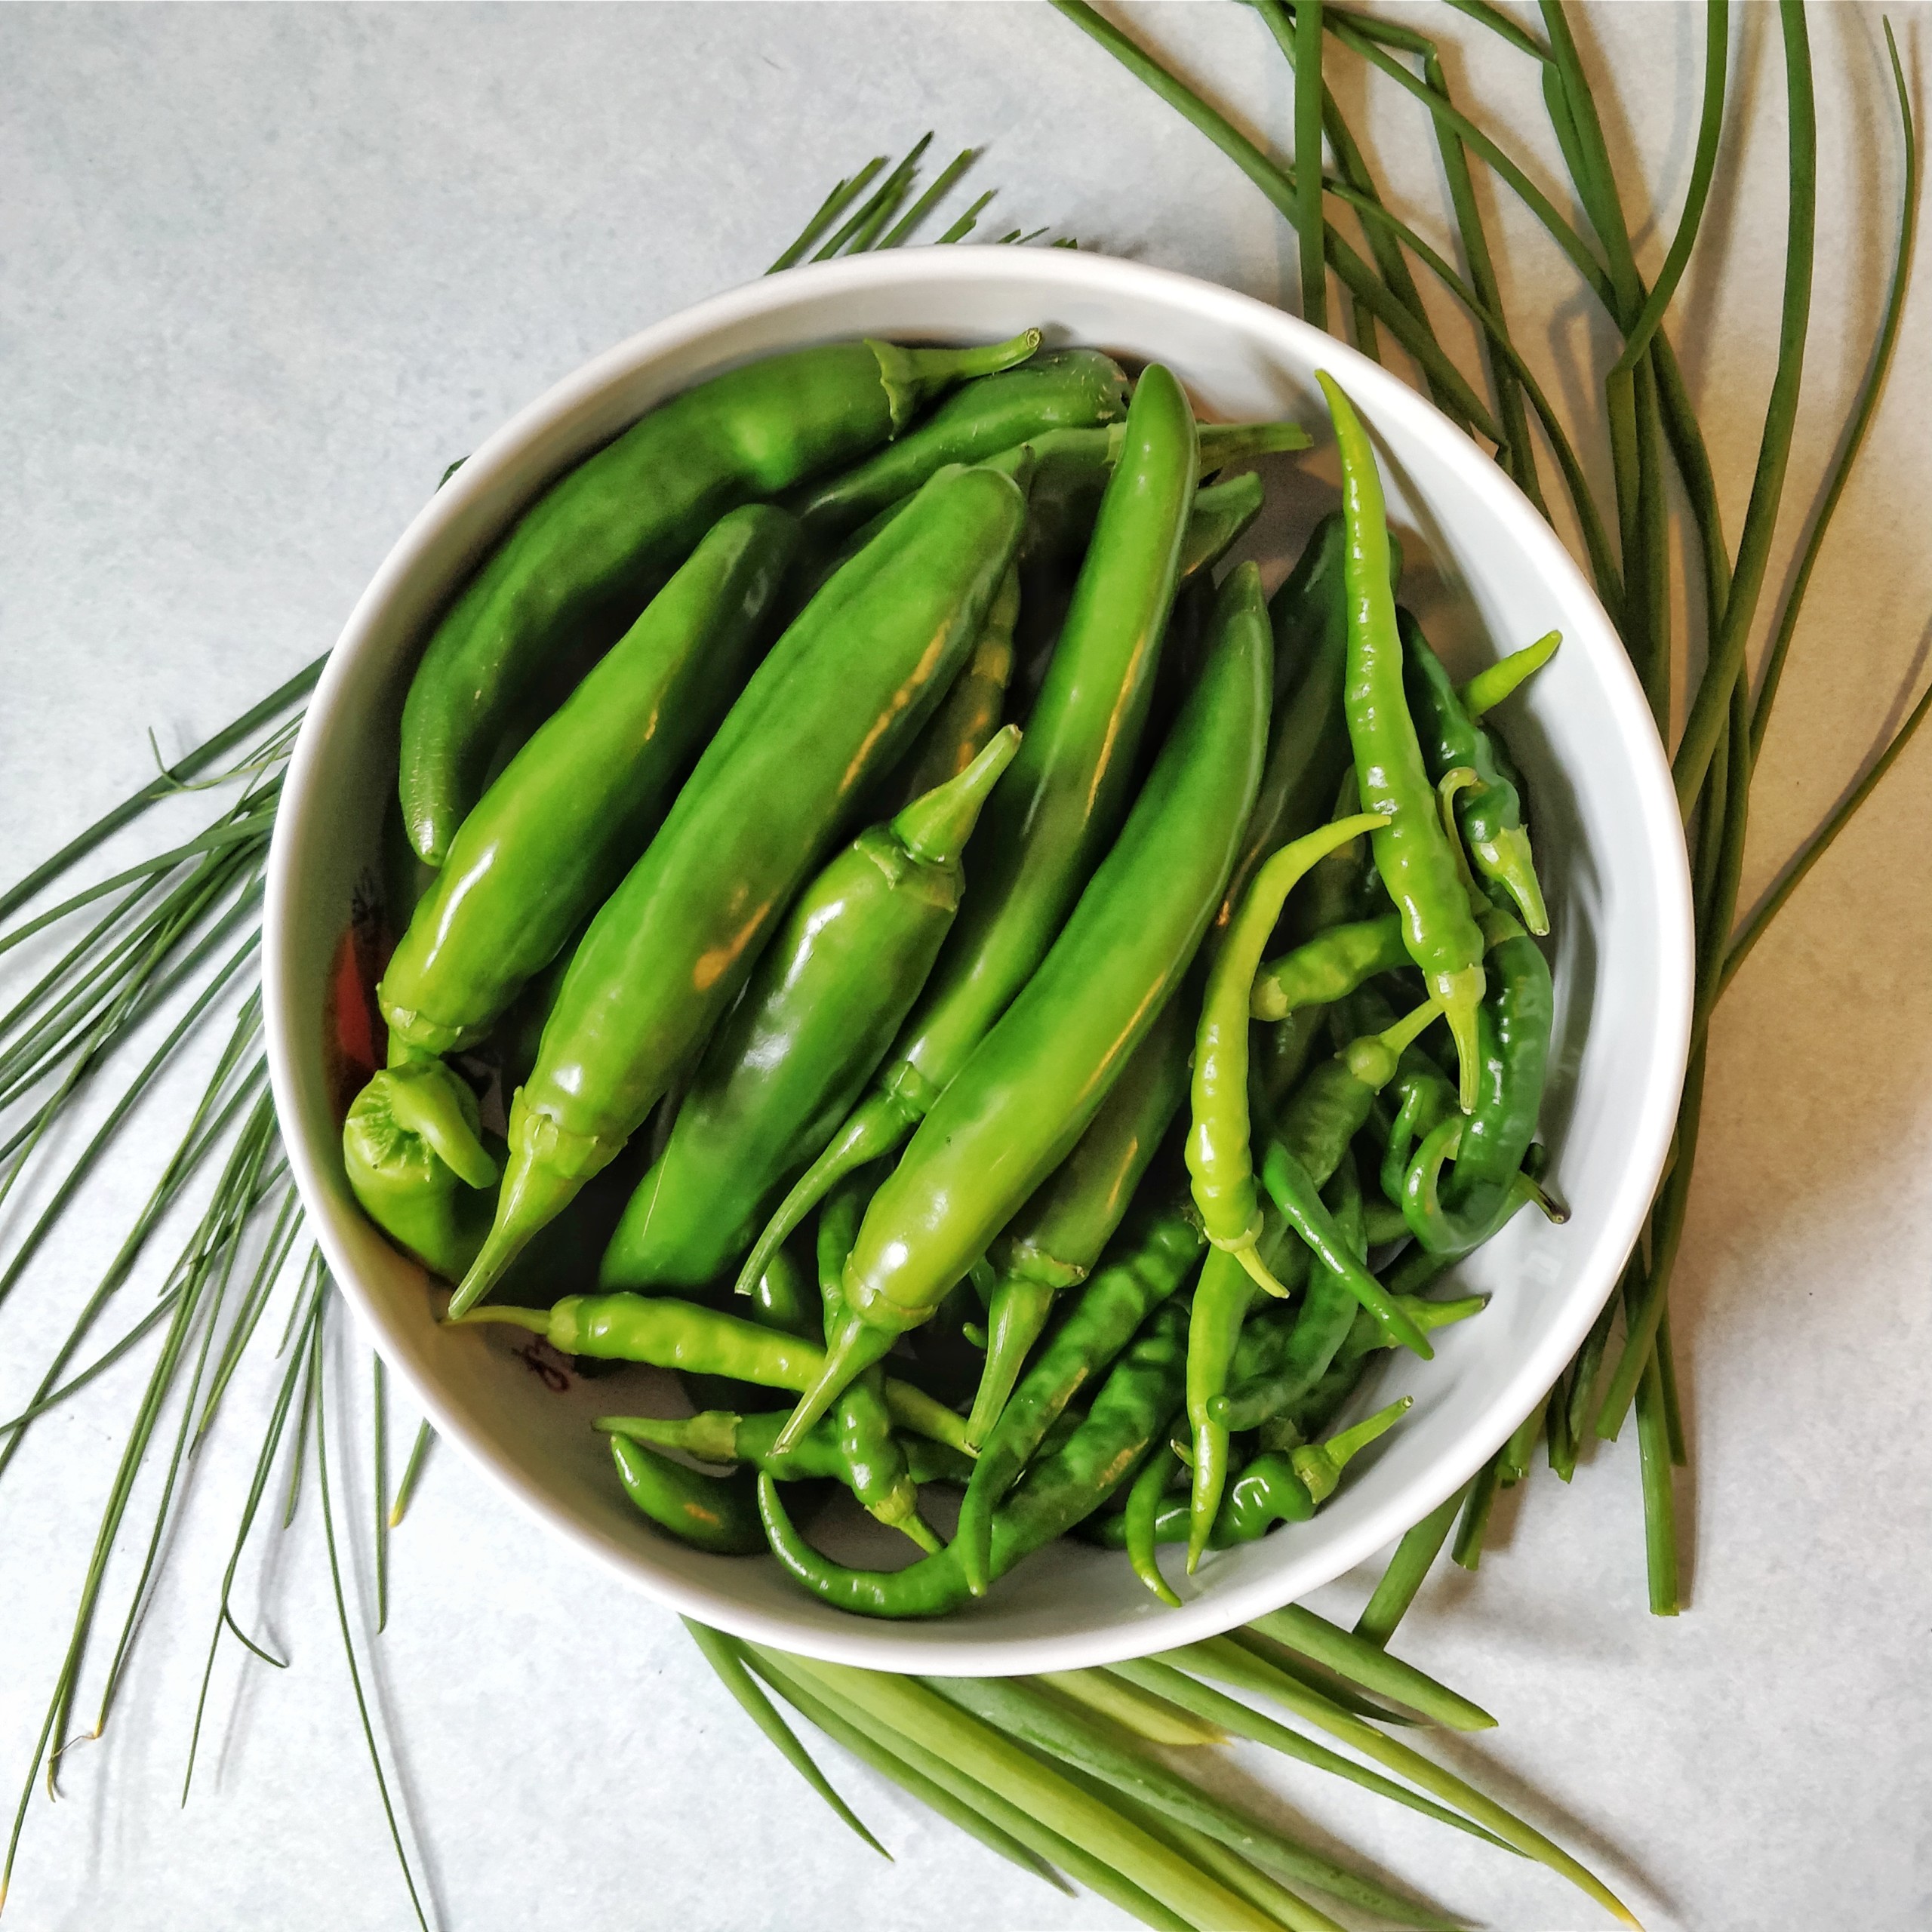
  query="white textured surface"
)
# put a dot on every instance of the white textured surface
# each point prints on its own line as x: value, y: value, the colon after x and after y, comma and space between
x: 265, y: 271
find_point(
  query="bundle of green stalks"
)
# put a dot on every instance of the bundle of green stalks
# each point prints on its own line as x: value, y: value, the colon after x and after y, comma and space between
x: 1071, y: 1777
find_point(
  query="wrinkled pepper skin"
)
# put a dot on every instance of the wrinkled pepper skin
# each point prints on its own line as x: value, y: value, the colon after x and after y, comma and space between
x: 581, y: 562
x: 817, y: 1018
x: 837, y: 698
x: 576, y: 807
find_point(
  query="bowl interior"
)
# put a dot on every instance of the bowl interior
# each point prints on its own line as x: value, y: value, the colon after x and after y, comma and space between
x: 1486, y: 575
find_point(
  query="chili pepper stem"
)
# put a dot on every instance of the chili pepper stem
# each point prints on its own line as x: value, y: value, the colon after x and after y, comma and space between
x: 912, y: 377
x: 422, y: 1098
x: 1019, y: 1309
x: 1320, y: 1464
x: 936, y: 825
x: 1249, y: 1255
x: 536, y: 1320
x: 533, y: 1197
x: 858, y: 1346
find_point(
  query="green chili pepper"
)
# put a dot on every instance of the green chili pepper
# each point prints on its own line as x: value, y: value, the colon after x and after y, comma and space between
x: 1154, y: 1253
x: 1279, y: 1486
x: 1056, y: 1237
x: 723, y: 1436
x: 1129, y: 1415
x: 1424, y: 1100
x: 1514, y: 1027
x: 1491, y: 685
x: 1489, y: 811
x: 1064, y: 389
x: 1218, y: 1153
x: 583, y: 559
x: 1014, y: 1113
x: 965, y: 723
x: 1139, y: 1520
x: 714, y: 1513
x: 1281, y: 1371
x: 1050, y: 818
x: 1220, y: 1308
x: 576, y: 806
x: 816, y: 1016
x: 419, y: 1169
x: 839, y: 696
x: 1413, y: 855
x: 1221, y: 515
x: 1329, y: 967
x: 1448, y: 1232
x: 667, y: 1333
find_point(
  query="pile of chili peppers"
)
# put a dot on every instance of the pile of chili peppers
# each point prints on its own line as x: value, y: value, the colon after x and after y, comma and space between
x: 1175, y: 1020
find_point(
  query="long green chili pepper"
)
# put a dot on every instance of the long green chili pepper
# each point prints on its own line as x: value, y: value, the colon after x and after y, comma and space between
x: 1329, y: 967
x: 838, y: 696
x: 1503, y: 679
x: 1412, y: 853
x: 817, y: 1015
x: 714, y: 1513
x: 1220, y: 1308
x: 669, y: 1333
x: 1051, y: 817
x: 1153, y: 1255
x: 1489, y: 811
x: 1062, y: 388
x: 1218, y: 1153
x: 1134, y: 1405
x: 411, y: 1145
x: 722, y: 1435
x: 1058, y: 1235
x: 577, y: 804
x: 1040, y: 1075
x: 1140, y: 1522
x: 583, y: 559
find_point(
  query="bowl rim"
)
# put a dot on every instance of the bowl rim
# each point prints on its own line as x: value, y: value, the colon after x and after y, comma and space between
x: 1382, y: 399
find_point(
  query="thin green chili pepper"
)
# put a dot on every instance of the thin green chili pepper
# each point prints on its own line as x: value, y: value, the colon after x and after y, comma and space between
x: 1051, y: 817
x: 819, y: 1010
x: 1221, y: 1304
x: 1329, y: 967
x: 1489, y: 811
x: 1219, y: 1157
x: 1153, y: 1255
x: 1139, y: 1522
x: 1425, y: 1099
x: 1055, y: 1239
x: 1412, y: 853
x: 573, y: 809
x: 1134, y: 1405
x: 1497, y: 681
x: 1062, y: 388
x: 1037, y: 1080
x: 419, y: 1169
x: 580, y: 563
x: 714, y: 1513
x: 1449, y: 1232
x: 670, y: 1333
x: 846, y: 687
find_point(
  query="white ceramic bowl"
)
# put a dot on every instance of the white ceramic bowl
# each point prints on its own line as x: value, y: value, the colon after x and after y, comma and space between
x: 1489, y: 576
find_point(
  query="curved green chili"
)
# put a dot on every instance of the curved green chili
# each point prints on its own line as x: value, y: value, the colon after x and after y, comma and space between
x: 1153, y: 1255
x: 1139, y: 1522
x: 848, y: 685
x: 1489, y: 811
x: 580, y: 563
x: 819, y: 1010
x: 1218, y: 1154
x: 1014, y: 1113
x: 714, y: 1513
x: 1049, y: 820
x: 1412, y: 852
x: 577, y: 804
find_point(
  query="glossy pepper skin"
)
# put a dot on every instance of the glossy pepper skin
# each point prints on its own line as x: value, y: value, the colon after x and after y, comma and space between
x: 581, y: 562
x: 1015, y: 1110
x: 1050, y: 819
x: 1054, y: 1241
x: 816, y: 1016
x: 1412, y: 852
x: 418, y: 1167
x: 718, y: 1514
x: 1060, y: 389
x: 670, y: 1333
x: 574, y: 809
x: 1134, y: 1405
x: 721, y: 1435
x: 1153, y: 1255
x: 1490, y: 812
x: 839, y: 696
